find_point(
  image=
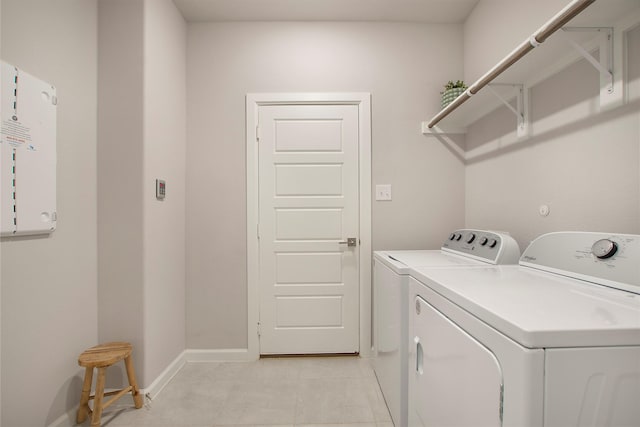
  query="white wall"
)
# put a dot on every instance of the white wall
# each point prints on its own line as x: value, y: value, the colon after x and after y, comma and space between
x: 165, y: 65
x: 633, y: 82
x: 584, y: 165
x: 120, y: 175
x: 403, y: 66
x: 633, y: 66
x: 0, y: 264
x: 142, y: 51
x: 49, y: 285
x: 496, y: 27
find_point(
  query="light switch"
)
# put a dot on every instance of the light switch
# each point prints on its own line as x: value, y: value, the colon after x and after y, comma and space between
x: 383, y: 192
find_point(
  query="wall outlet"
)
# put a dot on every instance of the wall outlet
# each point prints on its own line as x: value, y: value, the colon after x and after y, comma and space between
x: 383, y: 192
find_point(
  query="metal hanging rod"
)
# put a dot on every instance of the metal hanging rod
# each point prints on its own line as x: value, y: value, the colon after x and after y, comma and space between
x: 554, y: 24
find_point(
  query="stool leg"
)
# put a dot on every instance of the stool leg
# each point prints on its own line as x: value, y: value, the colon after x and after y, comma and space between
x: 83, y: 410
x: 131, y: 374
x: 97, y: 402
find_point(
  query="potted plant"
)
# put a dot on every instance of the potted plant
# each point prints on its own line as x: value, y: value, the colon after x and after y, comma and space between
x: 452, y: 90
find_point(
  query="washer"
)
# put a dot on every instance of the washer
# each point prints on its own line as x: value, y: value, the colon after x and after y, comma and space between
x: 463, y: 248
x: 552, y: 342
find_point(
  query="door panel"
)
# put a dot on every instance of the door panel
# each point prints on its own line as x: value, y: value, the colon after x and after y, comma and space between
x: 311, y: 311
x: 309, y: 180
x: 453, y: 379
x: 322, y: 134
x: 308, y: 224
x: 308, y: 197
x: 303, y: 268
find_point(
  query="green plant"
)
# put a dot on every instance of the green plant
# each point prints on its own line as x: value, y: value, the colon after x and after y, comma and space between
x: 452, y: 85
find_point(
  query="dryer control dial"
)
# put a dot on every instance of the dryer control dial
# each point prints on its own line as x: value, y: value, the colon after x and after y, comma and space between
x: 604, y: 248
x: 470, y: 237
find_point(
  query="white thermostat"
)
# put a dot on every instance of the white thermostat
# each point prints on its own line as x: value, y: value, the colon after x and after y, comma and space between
x: 27, y: 154
x: 161, y: 189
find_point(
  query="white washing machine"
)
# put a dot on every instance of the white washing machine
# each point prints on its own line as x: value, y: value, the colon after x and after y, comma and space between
x: 463, y: 248
x: 553, y: 342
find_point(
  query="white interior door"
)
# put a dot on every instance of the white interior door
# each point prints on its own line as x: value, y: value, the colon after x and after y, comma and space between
x: 308, y: 206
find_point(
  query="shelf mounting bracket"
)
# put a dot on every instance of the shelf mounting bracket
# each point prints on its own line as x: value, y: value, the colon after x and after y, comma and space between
x: 610, y: 89
x: 520, y: 110
x: 605, y: 64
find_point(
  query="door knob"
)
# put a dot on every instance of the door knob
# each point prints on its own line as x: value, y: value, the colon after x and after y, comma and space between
x: 351, y: 241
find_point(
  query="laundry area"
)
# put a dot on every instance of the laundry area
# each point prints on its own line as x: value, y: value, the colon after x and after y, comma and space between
x: 320, y: 212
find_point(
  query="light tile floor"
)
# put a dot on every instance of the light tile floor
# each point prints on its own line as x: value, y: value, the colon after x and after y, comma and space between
x: 296, y: 391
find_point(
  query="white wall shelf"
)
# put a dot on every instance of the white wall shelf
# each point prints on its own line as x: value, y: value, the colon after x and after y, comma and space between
x: 598, y: 27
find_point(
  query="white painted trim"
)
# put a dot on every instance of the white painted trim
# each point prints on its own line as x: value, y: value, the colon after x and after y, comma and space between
x: 366, y: 285
x: 165, y: 376
x: 363, y: 101
x: 253, y: 300
x: 223, y: 355
x: 69, y: 418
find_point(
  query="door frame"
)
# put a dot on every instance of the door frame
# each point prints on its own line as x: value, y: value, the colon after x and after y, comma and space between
x: 253, y: 102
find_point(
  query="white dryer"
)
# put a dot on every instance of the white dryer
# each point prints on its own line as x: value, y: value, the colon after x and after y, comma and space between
x: 463, y: 248
x: 552, y: 342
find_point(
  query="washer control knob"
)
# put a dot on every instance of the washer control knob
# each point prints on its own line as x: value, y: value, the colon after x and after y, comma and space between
x: 452, y: 236
x: 492, y: 243
x: 458, y: 236
x: 483, y: 241
x: 604, y: 248
x: 470, y: 237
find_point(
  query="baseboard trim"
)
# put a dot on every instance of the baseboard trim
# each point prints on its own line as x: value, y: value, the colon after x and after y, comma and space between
x: 163, y: 379
x: 193, y: 355
x: 220, y: 355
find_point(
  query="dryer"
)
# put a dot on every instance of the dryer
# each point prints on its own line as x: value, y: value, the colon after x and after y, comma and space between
x: 461, y: 249
x: 552, y: 342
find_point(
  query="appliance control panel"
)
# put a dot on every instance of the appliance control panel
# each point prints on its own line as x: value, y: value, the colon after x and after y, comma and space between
x: 603, y: 258
x: 489, y: 246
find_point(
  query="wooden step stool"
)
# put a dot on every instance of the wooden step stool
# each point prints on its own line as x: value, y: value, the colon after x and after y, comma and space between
x: 101, y: 357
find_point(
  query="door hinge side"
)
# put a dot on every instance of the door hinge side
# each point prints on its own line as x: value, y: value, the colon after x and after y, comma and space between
x: 258, y: 133
x: 501, y: 403
x: 258, y: 231
x: 258, y: 330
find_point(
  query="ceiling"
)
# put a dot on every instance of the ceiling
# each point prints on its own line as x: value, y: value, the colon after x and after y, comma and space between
x: 425, y: 11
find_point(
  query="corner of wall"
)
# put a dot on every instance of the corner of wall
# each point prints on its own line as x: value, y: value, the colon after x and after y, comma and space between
x: 120, y: 215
